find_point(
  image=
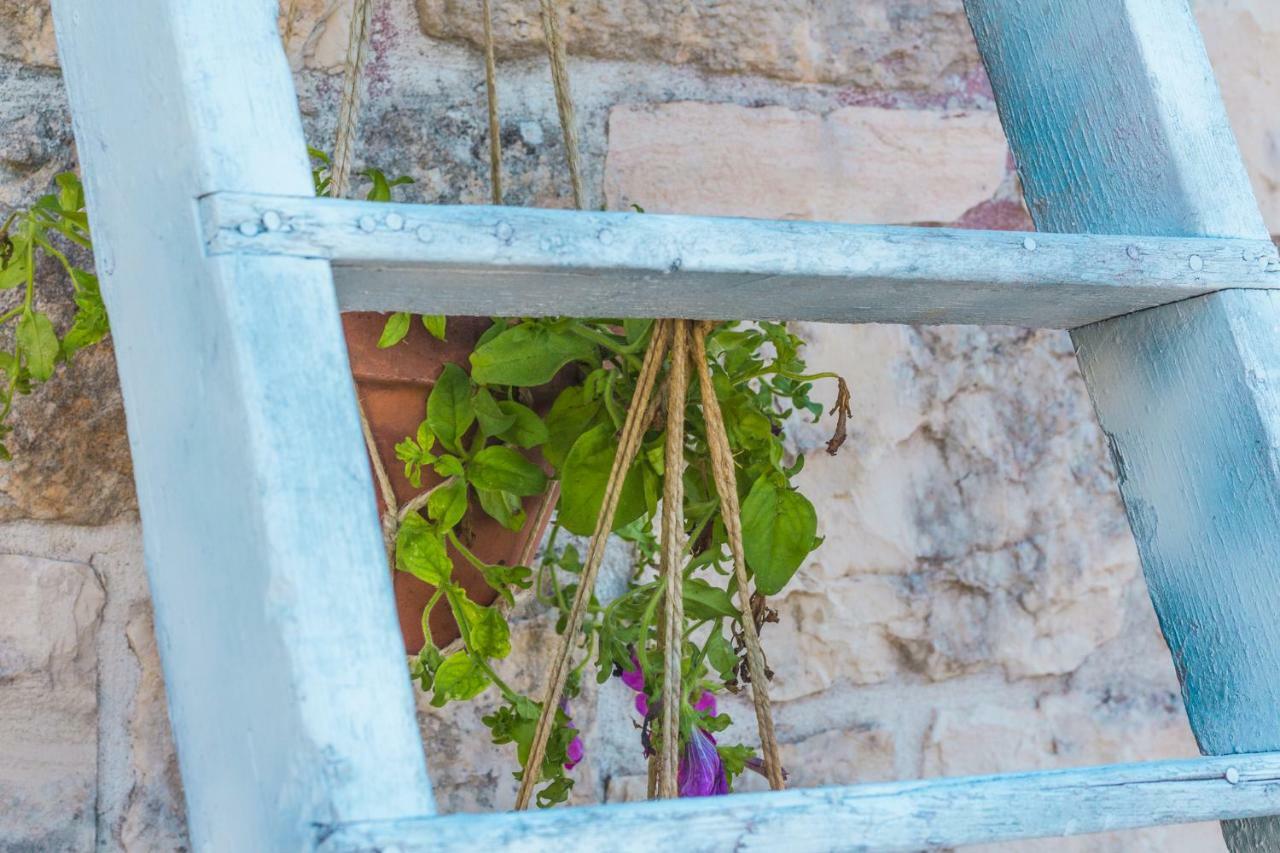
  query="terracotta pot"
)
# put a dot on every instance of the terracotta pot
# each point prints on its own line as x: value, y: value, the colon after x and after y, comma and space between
x: 393, y: 385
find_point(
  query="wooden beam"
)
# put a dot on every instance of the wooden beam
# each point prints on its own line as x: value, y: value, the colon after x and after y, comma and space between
x: 1116, y: 124
x: 526, y: 262
x: 898, y: 816
x: 285, y: 673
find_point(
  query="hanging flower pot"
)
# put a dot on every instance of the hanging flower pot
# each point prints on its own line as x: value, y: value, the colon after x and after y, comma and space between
x: 666, y: 433
x: 393, y: 384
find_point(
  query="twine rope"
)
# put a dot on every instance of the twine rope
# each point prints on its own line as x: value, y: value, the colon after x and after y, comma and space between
x: 726, y: 486
x: 491, y: 89
x: 349, y: 107
x: 633, y: 428
x: 564, y: 97
x: 673, y: 537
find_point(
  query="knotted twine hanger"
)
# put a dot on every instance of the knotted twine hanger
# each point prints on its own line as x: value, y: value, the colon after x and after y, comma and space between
x: 665, y: 774
x: 679, y: 336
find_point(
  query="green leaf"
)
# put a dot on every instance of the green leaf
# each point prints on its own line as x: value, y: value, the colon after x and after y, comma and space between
x: 39, y: 343
x: 70, y: 193
x: 447, y: 503
x: 703, y: 601
x: 526, y: 355
x: 420, y: 551
x: 779, y: 529
x: 583, y: 480
x: 381, y: 189
x: 734, y: 758
x: 502, y: 578
x: 90, y: 323
x: 721, y: 655
x: 449, y: 466
x: 571, y: 415
x: 15, y: 273
x: 435, y: 325
x: 459, y: 677
x: 503, y: 507
x: 487, y: 630
x: 502, y: 469
x: 394, y: 331
x: 449, y: 410
x: 527, y: 429
x: 493, y: 420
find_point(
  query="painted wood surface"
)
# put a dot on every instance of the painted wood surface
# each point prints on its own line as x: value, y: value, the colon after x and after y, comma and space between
x: 1116, y: 124
x: 286, y: 679
x: 525, y: 262
x: 898, y: 816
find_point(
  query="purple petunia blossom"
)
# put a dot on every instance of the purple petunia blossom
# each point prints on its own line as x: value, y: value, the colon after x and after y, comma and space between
x: 575, y: 751
x: 701, y: 772
x: 576, y: 748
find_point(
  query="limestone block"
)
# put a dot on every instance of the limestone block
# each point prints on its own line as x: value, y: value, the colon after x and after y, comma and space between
x: 1066, y: 730
x: 855, y: 164
x: 26, y: 32
x: 49, y: 617
x: 885, y: 44
x: 970, y: 520
x: 153, y: 817
x: 1243, y: 39
x: 71, y: 453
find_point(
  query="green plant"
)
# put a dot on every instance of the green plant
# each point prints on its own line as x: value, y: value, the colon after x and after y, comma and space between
x: 476, y: 434
x: 36, y: 347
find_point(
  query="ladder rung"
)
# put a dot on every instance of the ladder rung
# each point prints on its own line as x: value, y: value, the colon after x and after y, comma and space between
x: 510, y: 261
x: 897, y: 816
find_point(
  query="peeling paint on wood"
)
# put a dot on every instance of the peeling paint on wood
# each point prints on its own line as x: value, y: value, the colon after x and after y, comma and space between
x: 284, y: 670
x: 896, y: 816
x: 526, y: 262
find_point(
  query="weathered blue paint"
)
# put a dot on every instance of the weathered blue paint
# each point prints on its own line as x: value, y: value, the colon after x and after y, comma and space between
x: 895, y: 816
x: 286, y: 679
x: 458, y: 259
x: 1116, y: 125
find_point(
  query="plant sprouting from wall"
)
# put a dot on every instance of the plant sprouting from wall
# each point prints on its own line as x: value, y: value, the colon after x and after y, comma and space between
x: 47, y: 229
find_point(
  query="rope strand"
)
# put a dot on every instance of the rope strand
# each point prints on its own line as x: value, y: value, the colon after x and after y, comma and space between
x: 564, y: 98
x: 491, y: 89
x: 349, y: 107
x: 726, y: 486
x: 673, y: 563
x: 628, y: 445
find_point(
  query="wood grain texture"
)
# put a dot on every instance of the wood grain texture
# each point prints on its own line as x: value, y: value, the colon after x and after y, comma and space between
x: 286, y: 679
x: 897, y: 816
x: 528, y: 262
x: 1116, y: 125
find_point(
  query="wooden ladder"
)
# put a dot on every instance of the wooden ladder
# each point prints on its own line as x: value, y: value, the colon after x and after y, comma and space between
x: 286, y: 679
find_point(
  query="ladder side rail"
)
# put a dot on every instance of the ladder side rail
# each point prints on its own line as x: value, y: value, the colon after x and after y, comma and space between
x: 1116, y: 125
x: 288, y: 694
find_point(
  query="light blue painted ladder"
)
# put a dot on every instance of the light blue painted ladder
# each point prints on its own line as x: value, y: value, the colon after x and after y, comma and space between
x: 286, y: 679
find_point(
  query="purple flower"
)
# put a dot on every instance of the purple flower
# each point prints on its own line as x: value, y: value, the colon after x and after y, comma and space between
x: 634, y: 678
x: 576, y: 749
x: 701, y: 770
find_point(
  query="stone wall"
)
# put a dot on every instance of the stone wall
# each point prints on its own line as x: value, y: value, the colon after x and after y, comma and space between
x: 977, y: 606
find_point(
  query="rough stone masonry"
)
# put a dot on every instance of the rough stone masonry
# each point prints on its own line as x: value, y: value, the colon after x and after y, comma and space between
x: 977, y: 606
